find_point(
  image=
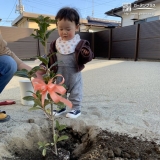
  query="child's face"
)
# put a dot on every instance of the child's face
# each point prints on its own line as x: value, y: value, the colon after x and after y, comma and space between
x: 66, y: 29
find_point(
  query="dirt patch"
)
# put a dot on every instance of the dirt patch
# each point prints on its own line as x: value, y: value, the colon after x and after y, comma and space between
x: 103, y: 146
x: 113, y: 146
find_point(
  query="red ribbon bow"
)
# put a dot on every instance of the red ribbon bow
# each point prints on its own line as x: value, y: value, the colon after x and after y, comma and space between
x: 52, y: 89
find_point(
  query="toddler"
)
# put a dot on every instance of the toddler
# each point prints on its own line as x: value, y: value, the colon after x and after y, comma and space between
x: 71, y: 53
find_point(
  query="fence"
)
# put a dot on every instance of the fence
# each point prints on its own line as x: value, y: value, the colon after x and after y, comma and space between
x: 139, y: 41
x: 25, y: 46
x: 20, y: 41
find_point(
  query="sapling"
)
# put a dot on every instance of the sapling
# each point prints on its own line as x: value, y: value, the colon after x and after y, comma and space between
x: 46, y: 87
x: 57, y: 138
x: 42, y: 34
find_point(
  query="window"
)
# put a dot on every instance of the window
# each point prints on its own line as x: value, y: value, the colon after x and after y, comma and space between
x: 152, y: 18
x: 149, y: 19
x: 140, y: 21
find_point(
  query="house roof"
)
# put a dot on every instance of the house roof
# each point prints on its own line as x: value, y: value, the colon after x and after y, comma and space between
x: 113, y: 12
x: 102, y: 22
x: 89, y: 21
x: 29, y: 15
x: 35, y: 15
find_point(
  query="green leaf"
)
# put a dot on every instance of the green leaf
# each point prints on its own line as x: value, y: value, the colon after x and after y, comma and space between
x: 35, y: 105
x: 30, y: 92
x: 48, y: 96
x: 43, y: 27
x: 44, y: 152
x: 61, y: 105
x: 49, y: 32
x: 42, y: 42
x: 38, y: 95
x: 62, y: 127
x: 46, y: 77
x: 46, y: 18
x: 46, y: 102
x: 51, y: 55
x: 22, y: 74
x: 29, y: 98
x: 33, y: 70
x: 52, y: 74
x: 34, y: 36
x: 64, y: 137
x: 40, y: 143
x: 48, y: 111
x: 47, y: 144
x: 55, y: 138
x: 34, y: 19
x: 38, y: 102
x: 24, y: 70
x: 44, y: 60
x: 53, y: 21
x: 57, y: 125
x: 54, y: 64
x: 40, y: 147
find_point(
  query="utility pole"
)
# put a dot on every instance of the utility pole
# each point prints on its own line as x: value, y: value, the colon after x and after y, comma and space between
x: 20, y: 7
x: 92, y: 8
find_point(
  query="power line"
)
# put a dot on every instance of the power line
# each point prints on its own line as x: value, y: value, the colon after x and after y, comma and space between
x: 10, y: 12
x: 44, y: 3
x: 38, y: 8
x: 91, y: 10
x: 99, y: 4
x: 53, y: 5
x: 49, y: 4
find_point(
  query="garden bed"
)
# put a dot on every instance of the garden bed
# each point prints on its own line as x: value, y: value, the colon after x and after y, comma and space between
x: 97, y: 145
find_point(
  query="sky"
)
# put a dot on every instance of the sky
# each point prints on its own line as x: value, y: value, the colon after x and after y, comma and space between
x: 93, y: 8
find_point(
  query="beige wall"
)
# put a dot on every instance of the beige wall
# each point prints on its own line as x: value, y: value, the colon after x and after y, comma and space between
x: 35, y: 25
x: 24, y: 23
x: 142, y: 14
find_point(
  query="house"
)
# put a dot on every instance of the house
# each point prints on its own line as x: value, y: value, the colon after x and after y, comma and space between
x: 87, y: 25
x: 137, y: 12
x: 97, y: 24
x: 23, y: 20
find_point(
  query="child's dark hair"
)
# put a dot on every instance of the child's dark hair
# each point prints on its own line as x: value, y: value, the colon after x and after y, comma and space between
x: 68, y: 13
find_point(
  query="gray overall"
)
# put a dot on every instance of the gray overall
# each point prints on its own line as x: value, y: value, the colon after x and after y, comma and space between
x: 73, y: 79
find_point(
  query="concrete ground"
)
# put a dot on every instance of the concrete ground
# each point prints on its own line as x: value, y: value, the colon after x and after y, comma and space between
x: 119, y: 95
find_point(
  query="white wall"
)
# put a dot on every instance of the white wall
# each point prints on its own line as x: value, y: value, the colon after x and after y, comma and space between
x: 142, y: 14
x: 84, y: 28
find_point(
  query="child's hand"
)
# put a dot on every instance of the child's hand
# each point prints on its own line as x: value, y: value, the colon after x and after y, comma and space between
x: 85, y: 51
x: 40, y: 73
